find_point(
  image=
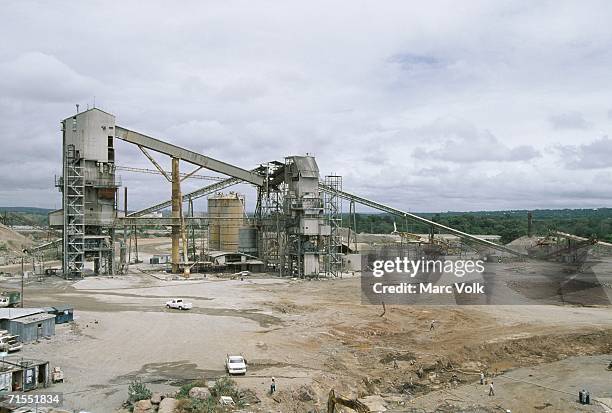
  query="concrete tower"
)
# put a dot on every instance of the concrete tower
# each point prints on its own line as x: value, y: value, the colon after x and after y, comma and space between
x: 88, y: 187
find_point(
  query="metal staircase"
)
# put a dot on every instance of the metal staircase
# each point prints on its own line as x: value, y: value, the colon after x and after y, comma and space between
x: 333, y: 208
x: 74, y: 214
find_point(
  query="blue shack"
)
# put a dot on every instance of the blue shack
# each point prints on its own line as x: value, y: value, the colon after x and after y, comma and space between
x: 63, y: 313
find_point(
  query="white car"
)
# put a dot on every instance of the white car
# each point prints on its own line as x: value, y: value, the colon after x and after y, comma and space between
x: 235, y: 365
x: 179, y: 304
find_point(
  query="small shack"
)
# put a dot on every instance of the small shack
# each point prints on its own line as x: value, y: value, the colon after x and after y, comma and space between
x: 30, y: 324
x: 234, y: 261
x: 63, y: 313
x: 18, y: 374
x: 33, y: 327
x: 160, y: 259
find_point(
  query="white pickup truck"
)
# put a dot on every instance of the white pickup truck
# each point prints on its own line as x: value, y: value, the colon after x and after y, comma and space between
x: 235, y: 365
x: 179, y: 304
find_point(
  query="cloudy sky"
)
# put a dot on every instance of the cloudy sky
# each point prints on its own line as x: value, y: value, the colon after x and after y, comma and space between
x: 428, y: 106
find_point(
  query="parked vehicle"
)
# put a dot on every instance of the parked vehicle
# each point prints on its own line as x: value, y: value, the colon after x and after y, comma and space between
x: 179, y: 303
x: 14, y: 298
x: 235, y: 365
x: 9, y: 342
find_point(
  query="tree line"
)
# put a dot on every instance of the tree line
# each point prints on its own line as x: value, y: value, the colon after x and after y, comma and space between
x: 508, y: 224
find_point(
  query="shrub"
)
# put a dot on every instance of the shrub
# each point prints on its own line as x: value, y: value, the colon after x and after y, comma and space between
x: 202, y: 406
x: 183, y: 392
x: 137, y: 391
x: 225, y: 387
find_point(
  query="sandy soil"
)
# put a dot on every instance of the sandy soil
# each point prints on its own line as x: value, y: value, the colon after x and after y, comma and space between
x: 313, y: 336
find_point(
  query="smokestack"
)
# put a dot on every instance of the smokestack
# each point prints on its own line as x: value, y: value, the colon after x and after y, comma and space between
x: 529, y: 224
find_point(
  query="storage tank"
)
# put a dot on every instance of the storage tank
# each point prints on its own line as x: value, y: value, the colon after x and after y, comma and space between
x: 248, y: 240
x: 226, y: 212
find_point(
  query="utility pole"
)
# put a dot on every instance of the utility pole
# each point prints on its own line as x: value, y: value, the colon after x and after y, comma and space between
x: 125, y: 212
x: 193, y: 243
x: 136, y: 243
x: 22, y: 276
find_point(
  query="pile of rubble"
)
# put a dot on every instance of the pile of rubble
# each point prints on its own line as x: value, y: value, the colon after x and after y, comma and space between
x: 159, y: 403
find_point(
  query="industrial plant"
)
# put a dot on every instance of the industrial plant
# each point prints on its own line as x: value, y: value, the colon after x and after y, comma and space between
x: 290, y: 305
x: 295, y: 230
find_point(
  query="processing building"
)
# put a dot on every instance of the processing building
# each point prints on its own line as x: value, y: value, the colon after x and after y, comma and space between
x: 88, y: 185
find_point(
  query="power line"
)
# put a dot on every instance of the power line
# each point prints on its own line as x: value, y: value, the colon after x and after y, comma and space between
x: 156, y: 172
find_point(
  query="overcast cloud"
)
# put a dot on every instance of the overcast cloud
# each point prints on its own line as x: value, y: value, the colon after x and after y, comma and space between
x: 429, y: 106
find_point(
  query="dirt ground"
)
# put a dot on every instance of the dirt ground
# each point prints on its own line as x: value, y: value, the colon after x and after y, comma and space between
x: 314, y: 336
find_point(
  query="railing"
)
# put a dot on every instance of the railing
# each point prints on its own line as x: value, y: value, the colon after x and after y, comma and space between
x: 93, y: 181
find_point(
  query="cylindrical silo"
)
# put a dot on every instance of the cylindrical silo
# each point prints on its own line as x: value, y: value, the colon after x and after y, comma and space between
x: 248, y: 240
x: 213, y: 225
x: 226, y: 213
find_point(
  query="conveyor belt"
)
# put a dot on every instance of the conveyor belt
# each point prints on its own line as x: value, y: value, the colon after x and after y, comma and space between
x: 395, y: 211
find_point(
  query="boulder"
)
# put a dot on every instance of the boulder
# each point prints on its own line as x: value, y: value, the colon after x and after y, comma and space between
x: 200, y: 393
x: 156, y: 398
x: 143, y: 406
x: 168, y: 405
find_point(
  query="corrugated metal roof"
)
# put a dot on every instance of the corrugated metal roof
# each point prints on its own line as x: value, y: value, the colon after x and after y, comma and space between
x: 217, y: 254
x: 34, y: 318
x: 249, y: 262
x: 13, y: 313
x: 63, y: 307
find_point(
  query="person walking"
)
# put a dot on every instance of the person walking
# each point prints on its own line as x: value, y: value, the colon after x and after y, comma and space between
x: 491, y: 389
x: 481, y: 378
x: 432, y: 325
x: 272, y: 386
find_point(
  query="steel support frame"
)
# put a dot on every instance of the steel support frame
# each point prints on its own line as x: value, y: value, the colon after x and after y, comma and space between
x: 268, y: 220
x: 352, y: 221
x: 187, y: 155
x: 207, y: 190
x: 176, y: 215
x: 333, y: 212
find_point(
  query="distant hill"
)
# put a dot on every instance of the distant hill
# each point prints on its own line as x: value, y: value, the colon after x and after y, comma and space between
x: 24, y: 216
x: 11, y: 240
x: 27, y: 210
